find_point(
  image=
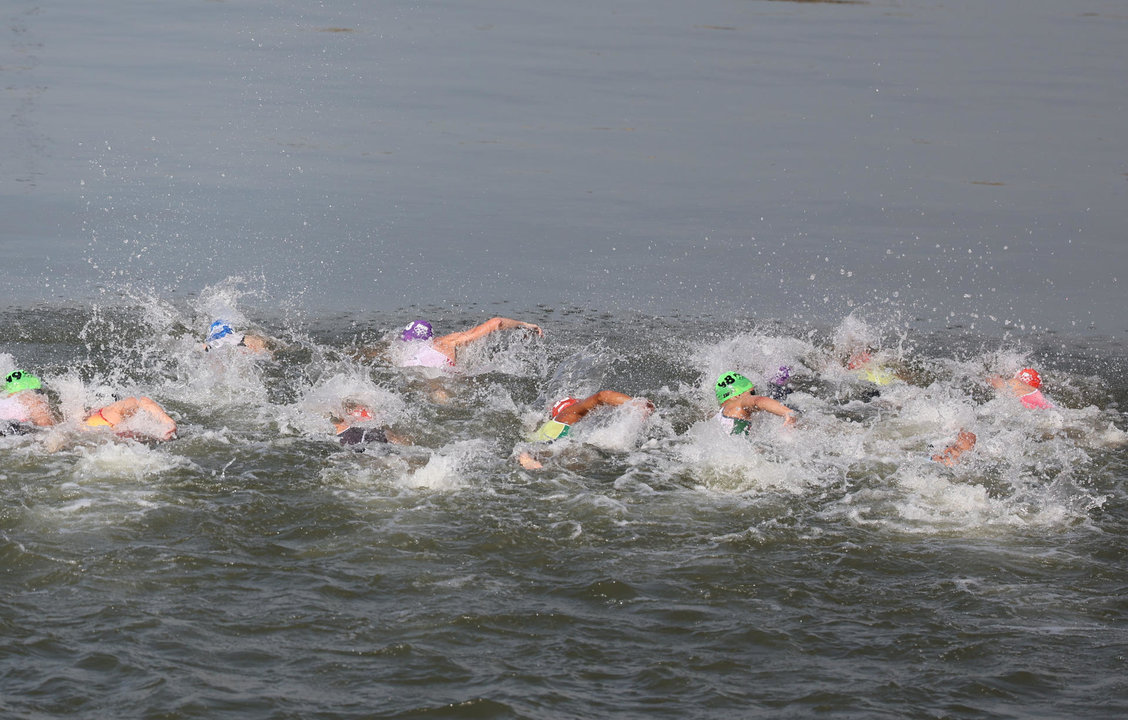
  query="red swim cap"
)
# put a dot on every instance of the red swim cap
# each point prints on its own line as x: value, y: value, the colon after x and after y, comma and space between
x: 1029, y: 376
x: 858, y: 359
x: 563, y: 405
x: 360, y: 412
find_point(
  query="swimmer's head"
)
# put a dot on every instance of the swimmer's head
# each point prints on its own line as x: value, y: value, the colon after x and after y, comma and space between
x: 357, y: 412
x: 18, y: 380
x: 562, y: 405
x: 220, y: 334
x: 351, y: 412
x: 782, y: 376
x: 418, y: 330
x: 731, y: 384
x: 1029, y: 376
x: 859, y: 359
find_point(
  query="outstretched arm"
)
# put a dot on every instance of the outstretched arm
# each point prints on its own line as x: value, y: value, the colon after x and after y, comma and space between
x: 572, y: 413
x: 746, y: 404
x: 122, y: 410
x: 1015, y: 386
x: 449, y: 343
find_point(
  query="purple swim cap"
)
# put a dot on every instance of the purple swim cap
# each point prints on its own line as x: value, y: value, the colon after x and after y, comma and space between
x: 782, y: 376
x: 418, y: 330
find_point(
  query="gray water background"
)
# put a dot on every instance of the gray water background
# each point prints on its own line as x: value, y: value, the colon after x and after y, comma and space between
x: 952, y: 162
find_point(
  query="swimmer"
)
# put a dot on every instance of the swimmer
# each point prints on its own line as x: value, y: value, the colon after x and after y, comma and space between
x: 353, y: 427
x: 135, y: 417
x: 426, y: 350
x: 569, y: 411
x: 24, y: 390
x: 23, y: 404
x: 737, y: 398
x: 779, y: 387
x: 221, y: 334
x: 965, y: 441
x: 1026, y: 385
x: 867, y: 368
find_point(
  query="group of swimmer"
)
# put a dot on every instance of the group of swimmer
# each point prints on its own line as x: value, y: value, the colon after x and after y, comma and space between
x: 1025, y: 385
x: 24, y: 405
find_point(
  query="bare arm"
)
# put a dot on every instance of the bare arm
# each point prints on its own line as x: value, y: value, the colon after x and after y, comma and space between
x: 448, y: 344
x: 1014, y: 385
x: 742, y: 407
x: 37, y: 409
x: 124, y: 409
x: 604, y: 397
x: 256, y: 343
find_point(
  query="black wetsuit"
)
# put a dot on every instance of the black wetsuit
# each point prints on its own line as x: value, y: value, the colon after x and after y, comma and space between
x: 13, y: 427
x: 360, y: 435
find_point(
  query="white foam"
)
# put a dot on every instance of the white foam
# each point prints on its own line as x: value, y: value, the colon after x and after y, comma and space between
x: 123, y: 460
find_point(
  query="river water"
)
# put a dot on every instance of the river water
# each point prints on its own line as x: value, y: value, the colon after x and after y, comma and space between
x: 670, y: 190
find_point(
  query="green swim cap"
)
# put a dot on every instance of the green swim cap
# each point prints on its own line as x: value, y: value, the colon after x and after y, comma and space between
x: 731, y: 384
x: 21, y: 380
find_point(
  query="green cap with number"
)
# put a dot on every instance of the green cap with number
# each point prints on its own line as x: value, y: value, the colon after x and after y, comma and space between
x: 731, y: 384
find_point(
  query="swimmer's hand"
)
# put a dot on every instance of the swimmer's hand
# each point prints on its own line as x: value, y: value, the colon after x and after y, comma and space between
x: 527, y: 461
x: 643, y: 404
x: 534, y: 328
x: 944, y: 459
x: 950, y: 455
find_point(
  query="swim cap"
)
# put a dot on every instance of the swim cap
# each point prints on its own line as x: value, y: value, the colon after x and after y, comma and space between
x: 858, y: 359
x: 731, y: 384
x: 359, y: 412
x: 220, y: 333
x: 1029, y: 376
x: 563, y: 405
x: 418, y: 330
x: 21, y: 380
x: 782, y: 376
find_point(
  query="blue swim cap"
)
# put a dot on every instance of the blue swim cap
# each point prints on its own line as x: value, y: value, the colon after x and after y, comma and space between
x: 218, y: 329
x: 220, y: 333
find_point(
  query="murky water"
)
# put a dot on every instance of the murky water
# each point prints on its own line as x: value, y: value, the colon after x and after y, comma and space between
x: 655, y: 566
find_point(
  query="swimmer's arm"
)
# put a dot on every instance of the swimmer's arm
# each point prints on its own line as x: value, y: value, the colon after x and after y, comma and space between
x: 1016, y: 386
x: 127, y: 408
x: 766, y: 404
x: 256, y: 343
x: 458, y: 339
x: 604, y: 397
x: 38, y: 410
